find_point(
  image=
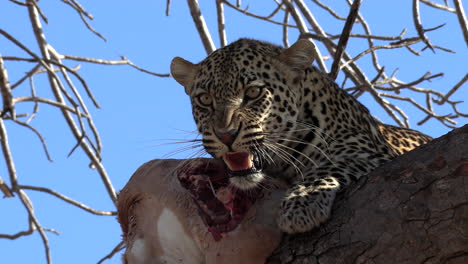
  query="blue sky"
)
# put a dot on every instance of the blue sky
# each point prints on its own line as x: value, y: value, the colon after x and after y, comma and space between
x: 139, y: 111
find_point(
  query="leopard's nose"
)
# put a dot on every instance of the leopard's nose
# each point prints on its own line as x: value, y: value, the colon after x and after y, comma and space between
x: 227, y: 136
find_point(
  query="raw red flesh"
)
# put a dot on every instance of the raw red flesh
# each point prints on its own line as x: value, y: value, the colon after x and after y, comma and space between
x: 223, y: 210
x: 238, y: 161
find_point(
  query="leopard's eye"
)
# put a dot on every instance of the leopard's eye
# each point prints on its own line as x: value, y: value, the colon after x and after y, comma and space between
x: 253, y: 92
x: 205, y: 99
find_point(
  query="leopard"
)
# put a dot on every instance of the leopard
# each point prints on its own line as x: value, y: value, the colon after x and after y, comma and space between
x: 268, y: 113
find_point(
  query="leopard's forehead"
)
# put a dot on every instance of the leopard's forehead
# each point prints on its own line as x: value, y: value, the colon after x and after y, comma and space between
x: 226, y: 70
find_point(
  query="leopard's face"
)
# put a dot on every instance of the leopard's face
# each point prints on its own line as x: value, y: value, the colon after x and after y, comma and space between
x: 244, y: 100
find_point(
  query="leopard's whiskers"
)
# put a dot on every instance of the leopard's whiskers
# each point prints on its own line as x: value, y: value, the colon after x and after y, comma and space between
x: 305, y: 143
x: 285, y: 156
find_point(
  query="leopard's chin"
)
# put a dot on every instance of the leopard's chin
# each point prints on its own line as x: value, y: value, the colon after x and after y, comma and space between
x: 248, y: 181
x: 244, y: 169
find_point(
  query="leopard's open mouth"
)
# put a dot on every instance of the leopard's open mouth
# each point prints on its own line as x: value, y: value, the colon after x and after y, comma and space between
x: 242, y: 164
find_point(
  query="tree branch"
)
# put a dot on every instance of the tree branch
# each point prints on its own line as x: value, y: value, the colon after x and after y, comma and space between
x: 342, y: 43
x: 201, y: 26
x: 461, y: 18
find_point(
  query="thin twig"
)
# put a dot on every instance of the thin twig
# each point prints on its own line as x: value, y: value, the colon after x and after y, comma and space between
x: 370, y: 36
x: 5, y: 189
x: 30, y: 73
x: 120, y: 246
x: 49, y: 102
x: 418, y: 25
x: 38, y: 134
x: 123, y: 61
x: 370, y: 41
x: 438, y: 6
x: 419, y: 106
x: 18, y: 2
x: 39, y: 10
x: 7, y: 156
x: 265, y: 18
x: 360, y: 55
x: 67, y: 199
x: 36, y: 104
x: 5, y: 90
x: 83, y: 16
x: 28, y: 232
x: 79, y: 8
x: 28, y: 205
x: 168, y: 7
x: 452, y: 91
x: 329, y: 10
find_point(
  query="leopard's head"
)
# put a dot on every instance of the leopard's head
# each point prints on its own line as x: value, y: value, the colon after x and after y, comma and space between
x: 245, y: 98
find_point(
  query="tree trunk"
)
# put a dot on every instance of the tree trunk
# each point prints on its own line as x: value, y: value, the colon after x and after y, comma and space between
x: 412, y: 210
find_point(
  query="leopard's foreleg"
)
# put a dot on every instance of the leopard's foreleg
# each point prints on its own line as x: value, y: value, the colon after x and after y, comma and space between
x: 309, y: 200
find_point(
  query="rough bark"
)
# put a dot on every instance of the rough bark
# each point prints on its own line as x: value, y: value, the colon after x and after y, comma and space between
x: 412, y: 210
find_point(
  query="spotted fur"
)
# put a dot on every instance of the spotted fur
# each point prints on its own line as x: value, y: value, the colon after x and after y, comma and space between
x: 255, y: 97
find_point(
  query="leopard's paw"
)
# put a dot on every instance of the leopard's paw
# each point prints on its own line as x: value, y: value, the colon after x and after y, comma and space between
x: 299, y: 214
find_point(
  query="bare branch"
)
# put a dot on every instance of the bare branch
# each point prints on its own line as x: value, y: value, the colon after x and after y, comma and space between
x: 285, y: 29
x: 36, y: 104
x: 5, y: 189
x: 342, y: 43
x: 303, y: 29
x: 8, y: 157
x: 28, y: 232
x: 79, y: 8
x: 30, y: 73
x: 444, y: 118
x: 18, y: 2
x: 438, y: 6
x: 418, y: 25
x: 120, y: 246
x: 221, y: 28
x: 82, y: 104
x: 123, y: 61
x: 5, y: 89
x: 453, y: 90
x: 39, y: 10
x: 360, y: 55
x: 353, y: 72
x: 41, y: 138
x: 201, y: 26
x: 370, y: 41
x: 28, y: 205
x: 84, y: 15
x: 17, y: 235
x: 56, y: 89
x: 370, y: 36
x: 67, y: 199
x: 265, y: 18
x: 461, y: 19
x: 410, y: 85
x: 329, y: 10
x: 49, y: 102
x: 168, y: 7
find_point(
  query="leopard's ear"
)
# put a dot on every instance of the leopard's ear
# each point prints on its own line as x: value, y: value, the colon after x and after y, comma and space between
x: 183, y: 71
x: 299, y: 56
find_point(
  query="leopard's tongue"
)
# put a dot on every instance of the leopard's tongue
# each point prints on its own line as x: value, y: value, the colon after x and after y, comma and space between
x: 238, y: 161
